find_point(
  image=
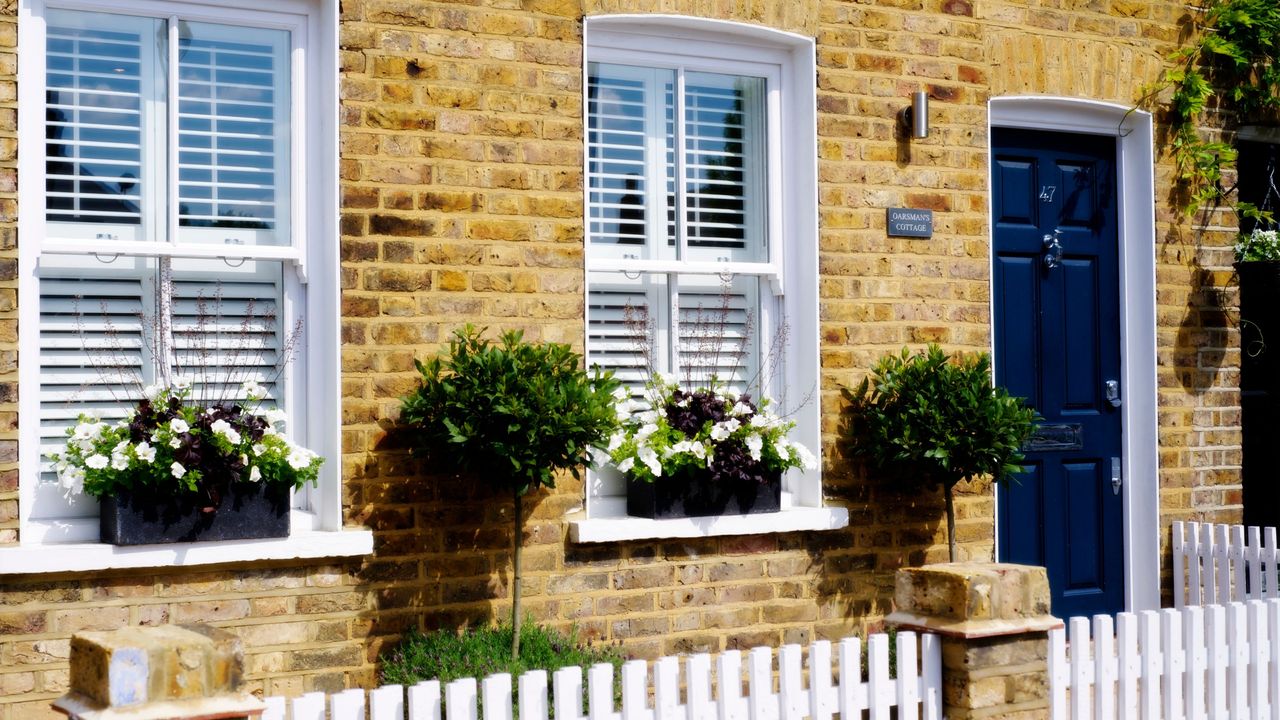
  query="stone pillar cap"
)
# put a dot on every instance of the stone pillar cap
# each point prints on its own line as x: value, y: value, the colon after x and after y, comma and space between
x: 973, y: 599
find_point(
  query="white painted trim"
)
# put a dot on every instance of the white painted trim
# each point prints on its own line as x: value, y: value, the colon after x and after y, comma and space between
x: 615, y: 525
x: 90, y: 557
x: 314, y: 216
x: 1135, y: 142
x: 794, y: 217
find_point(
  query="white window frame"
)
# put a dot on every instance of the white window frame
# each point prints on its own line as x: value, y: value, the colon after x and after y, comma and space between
x: 655, y: 40
x: 312, y: 253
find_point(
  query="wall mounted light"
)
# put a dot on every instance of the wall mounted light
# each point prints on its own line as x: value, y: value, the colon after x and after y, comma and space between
x: 916, y: 117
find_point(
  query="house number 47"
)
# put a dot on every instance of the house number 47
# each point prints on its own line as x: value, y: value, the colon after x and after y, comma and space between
x: 1046, y: 192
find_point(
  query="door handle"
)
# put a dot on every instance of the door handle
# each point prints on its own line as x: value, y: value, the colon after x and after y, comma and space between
x: 1111, y: 391
x: 1116, y: 478
x: 1052, y: 249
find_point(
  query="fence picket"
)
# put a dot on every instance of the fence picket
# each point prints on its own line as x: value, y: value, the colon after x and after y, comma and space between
x: 1272, y: 635
x: 666, y: 690
x: 424, y: 701
x: 1197, y: 662
x: 387, y: 703
x: 1253, y: 561
x: 1059, y: 673
x: 1270, y: 556
x: 822, y: 695
x: 1104, y: 668
x: 1174, y: 662
x: 853, y: 694
x: 931, y: 677
x: 1149, y: 642
x: 1216, y: 642
x: 348, y: 705
x: 1235, y: 556
x: 276, y: 709
x: 762, y: 704
x: 908, y: 687
x: 1222, y: 563
x: 1196, y: 575
x: 794, y: 702
x: 880, y: 687
x: 698, y: 687
x: 1178, y: 540
x: 635, y: 697
x: 1127, y: 665
x: 533, y: 695
x: 1259, y: 657
x: 600, y: 693
x: 460, y: 700
x: 1080, y: 676
x: 729, y: 685
x: 309, y: 707
x: 495, y: 697
x: 567, y: 682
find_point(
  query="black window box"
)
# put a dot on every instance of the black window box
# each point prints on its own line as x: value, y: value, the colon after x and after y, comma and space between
x: 691, y: 494
x: 245, y: 511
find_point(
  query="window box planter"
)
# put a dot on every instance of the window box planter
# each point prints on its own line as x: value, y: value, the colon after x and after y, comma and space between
x: 691, y: 494
x: 246, y: 511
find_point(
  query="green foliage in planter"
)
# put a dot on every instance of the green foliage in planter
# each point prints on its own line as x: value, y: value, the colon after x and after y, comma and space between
x: 512, y: 413
x: 477, y: 652
x: 1258, y: 246
x: 935, y: 420
x: 1232, y: 61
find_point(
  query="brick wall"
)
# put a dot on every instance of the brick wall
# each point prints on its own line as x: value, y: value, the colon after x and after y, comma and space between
x: 461, y: 169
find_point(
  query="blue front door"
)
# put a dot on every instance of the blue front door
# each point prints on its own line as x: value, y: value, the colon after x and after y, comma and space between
x: 1056, y: 296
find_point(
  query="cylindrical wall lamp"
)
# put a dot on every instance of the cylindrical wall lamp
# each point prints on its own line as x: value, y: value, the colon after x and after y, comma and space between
x: 917, y: 116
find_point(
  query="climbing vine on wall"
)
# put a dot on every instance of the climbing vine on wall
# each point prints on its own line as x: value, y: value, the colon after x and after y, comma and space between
x: 1231, y: 63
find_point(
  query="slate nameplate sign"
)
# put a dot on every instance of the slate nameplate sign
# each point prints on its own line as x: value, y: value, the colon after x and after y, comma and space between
x: 909, y: 222
x: 1055, y: 437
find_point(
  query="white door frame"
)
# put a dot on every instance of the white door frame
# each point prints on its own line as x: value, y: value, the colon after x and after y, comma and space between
x: 1135, y: 171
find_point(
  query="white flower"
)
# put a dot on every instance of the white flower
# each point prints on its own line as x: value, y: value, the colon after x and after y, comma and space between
x: 722, y: 430
x: 244, y: 459
x: 650, y: 459
x: 258, y: 448
x: 121, y: 446
x: 666, y: 379
x: 783, y: 449
x: 82, y: 431
x: 96, y: 461
x: 177, y: 470
x: 153, y: 392
x: 807, y: 460
x: 299, y: 458
x: 626, y: 465
x: 740, y: 408
x: 86, y: 446
x: 223, y: 428
x: 178, y: 425
x: 145, y: 452
x: 119, y: 462
x: 175, y: 443
x: 274, y: 416
x: 255, y: 475
x: 181, y: 383
x: 621, y: 393
x: 645, y: 431
x: 759, y: 421
x: 754, y: 445
x: 615, y: 441
x: 252, y: 390
x: 72, y: 481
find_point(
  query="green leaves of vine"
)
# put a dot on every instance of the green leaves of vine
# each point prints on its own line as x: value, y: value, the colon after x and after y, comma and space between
x: 1232, y: 64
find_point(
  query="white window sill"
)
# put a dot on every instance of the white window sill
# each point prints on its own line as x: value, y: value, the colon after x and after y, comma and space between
x: 611, y: 523
x: 88, y: 557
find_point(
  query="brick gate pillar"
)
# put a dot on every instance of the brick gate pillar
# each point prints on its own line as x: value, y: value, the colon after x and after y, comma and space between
x: 994, y: 622
x: 169, y: 671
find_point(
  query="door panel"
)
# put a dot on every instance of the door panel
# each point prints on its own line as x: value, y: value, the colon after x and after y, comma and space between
x: 1055, y: 290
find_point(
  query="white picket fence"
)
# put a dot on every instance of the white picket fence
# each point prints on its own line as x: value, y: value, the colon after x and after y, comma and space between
x: 1219, y: 662
x: 1223, y: 563
x: 916, y: 693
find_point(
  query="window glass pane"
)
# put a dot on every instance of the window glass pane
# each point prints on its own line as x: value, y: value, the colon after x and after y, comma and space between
x: 629, y: 139
x: 724, y: 165
x: 233, y: 134
x: 98, y: 88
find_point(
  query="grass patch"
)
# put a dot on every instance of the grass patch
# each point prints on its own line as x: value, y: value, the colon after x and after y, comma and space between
x: 446, y: 655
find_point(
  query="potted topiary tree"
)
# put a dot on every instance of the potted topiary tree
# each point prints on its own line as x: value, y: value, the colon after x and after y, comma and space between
x: 513, y: 413
x: 935, y: 420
